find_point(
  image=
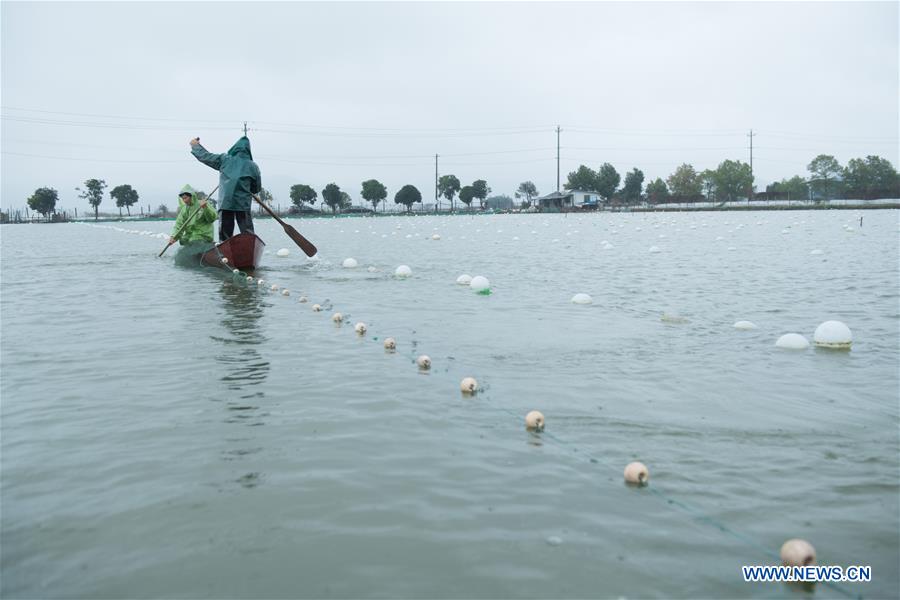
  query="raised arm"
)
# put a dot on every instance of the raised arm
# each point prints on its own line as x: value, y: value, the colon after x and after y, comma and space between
x: 207, y: 158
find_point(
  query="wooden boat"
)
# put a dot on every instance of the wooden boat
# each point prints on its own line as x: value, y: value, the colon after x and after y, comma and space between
x: 243, y: 251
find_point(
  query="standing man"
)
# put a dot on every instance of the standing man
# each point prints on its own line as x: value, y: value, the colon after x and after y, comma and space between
x: 239, y: 179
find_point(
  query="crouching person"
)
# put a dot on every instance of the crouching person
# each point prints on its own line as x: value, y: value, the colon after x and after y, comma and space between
x: 195, y: 216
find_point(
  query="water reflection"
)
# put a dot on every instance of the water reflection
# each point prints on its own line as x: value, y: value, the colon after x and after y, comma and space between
x: 244, y: 372
x: 245, y: 368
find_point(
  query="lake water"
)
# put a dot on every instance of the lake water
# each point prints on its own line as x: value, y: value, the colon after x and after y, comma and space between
x: 174, y: 432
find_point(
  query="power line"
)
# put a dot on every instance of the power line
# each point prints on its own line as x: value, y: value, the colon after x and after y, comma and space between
x: 422, y: 131
x: 106, y: 160
x: 37, y: 121
x: 94, y: 115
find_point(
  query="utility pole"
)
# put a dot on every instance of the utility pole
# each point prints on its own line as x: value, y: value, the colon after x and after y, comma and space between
x: 750, y: 195
x: 245, y: 128
x: 436, y: 205
x: 557, y: 158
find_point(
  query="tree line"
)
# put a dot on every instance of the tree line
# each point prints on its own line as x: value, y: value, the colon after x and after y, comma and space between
x: 44, y: 199
x: 375, y: 192
x: 864, y: 178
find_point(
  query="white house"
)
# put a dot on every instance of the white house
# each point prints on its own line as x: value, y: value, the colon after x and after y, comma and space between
x: 569, y: 199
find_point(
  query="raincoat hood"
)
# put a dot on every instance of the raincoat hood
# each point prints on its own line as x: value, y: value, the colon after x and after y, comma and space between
x: 187, y: 189
x: 241, y: 148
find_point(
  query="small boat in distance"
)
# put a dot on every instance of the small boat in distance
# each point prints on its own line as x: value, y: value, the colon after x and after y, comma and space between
x: 243, y: 251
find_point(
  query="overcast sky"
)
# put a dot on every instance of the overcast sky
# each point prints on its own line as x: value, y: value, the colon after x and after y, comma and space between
x: 343, y: 92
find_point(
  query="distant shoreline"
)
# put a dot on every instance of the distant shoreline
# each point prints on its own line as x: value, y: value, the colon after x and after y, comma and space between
x: 862, y: 205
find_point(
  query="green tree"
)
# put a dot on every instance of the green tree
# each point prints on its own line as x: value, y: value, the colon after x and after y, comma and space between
x: 124, y: 195
x: 43, y: 200
x: 93, y: 193
x: 408, y: 195
x: 528, y: 190
x: 346, y: 200
x: 733, y: 180
x: 584, y: 179
x: 871, y: 177
x: 794, y: 188
x: 824, y: 172
x: 162, y: 210
x: 303, y: 194
x: 331, y: 196
x: 607, y: 180
x: 448, y: 185
x: 466, y: 195
x: 480, y: 190
x: 685, y: 182
x: 708, y: 178
x: 373, y: 191
x: 266, y: 198
x: 657, y: 192
x: 634, y: 183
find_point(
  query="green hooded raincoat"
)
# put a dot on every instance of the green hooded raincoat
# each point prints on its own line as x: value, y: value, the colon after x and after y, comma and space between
x: 200, y: 228
x: 239, y: 176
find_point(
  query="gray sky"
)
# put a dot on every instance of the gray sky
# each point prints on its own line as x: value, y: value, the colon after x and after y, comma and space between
x: 344, y: 92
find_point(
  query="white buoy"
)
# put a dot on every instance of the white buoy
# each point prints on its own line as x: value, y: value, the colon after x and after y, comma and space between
x: 283, y: 253
x: 464, y: 279
x: 534, y: 421
x: 350, y: 263
x: 274, y: 287
x: 317, y: 308
x: 468, y: 386
x: 235, y: 271
x: 745, y: 325
x: 224, y: 260
x: 260, y: 282
x: 637, y: 472
x: 372, y: 270
x: 797, y: 553
x: 249, y: 279
x: 833, y: 334
x: 403, y: 271
x: 436, y: 236
x: 480, y: 284
x: 673, y: 318
x: 582, y: 299
x: 360, y: 328
x: 792, y: 341
x: 423, y: 362
x: 303, y: 299
x: 337, y: 317
x: 390, y: 344
x: 285, y: 292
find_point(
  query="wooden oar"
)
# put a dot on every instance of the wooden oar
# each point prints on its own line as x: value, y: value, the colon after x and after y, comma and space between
x: 186, y: 223
x: 308, y: 247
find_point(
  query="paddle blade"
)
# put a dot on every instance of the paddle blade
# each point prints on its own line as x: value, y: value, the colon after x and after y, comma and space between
x: 307, y: 246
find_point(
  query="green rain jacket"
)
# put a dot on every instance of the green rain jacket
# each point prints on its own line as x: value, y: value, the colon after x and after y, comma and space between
x: 239, y: 176
x: 200, y: 228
